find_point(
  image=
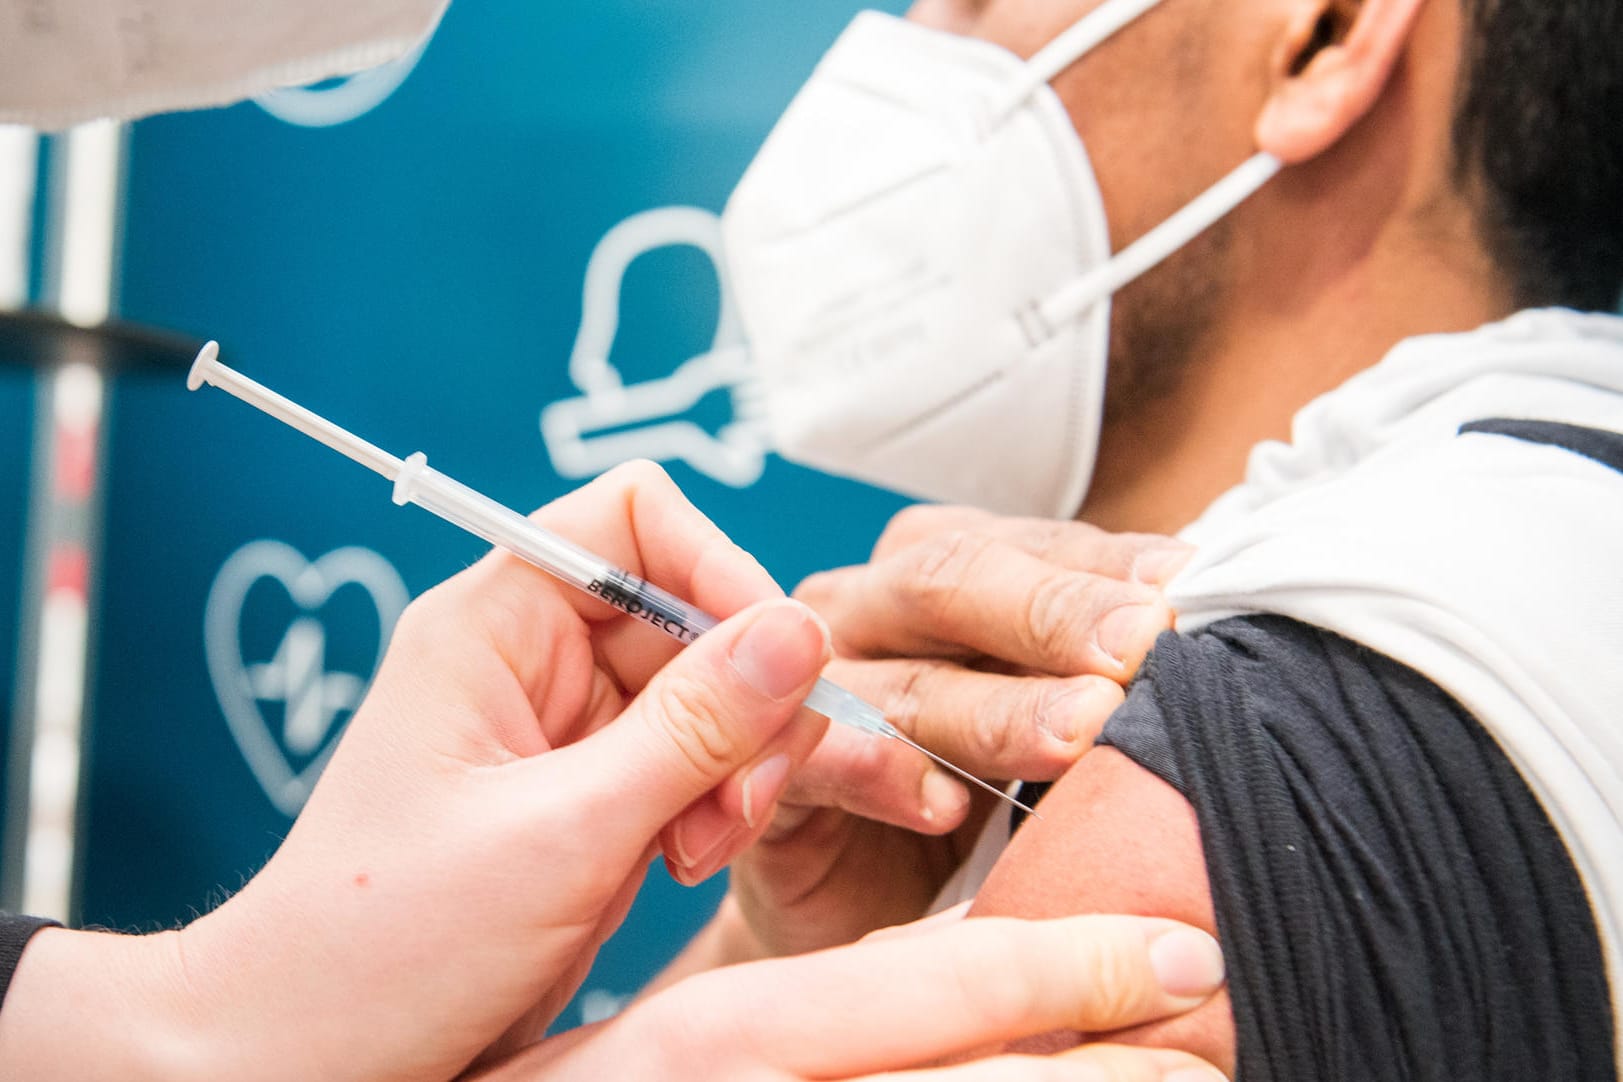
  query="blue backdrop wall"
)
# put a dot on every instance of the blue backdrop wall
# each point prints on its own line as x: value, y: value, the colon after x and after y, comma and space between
x: 16, y: 413
x: 416, y: 274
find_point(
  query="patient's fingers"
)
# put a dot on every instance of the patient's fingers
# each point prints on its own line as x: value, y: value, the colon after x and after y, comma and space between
x: 1131, y: 557
x: 971, y: 594
x: 996, y: 727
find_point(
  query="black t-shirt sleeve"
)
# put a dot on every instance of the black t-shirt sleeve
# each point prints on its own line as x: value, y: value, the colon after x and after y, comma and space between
x: 15, y: 932
x: 1392, y: 899
x: 1138, y: 729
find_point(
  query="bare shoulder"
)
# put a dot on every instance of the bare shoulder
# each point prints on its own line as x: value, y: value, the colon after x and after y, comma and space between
x: 1114, y: 838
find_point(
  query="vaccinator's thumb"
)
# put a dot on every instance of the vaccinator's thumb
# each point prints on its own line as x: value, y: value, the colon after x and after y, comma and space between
x: 712, y: 710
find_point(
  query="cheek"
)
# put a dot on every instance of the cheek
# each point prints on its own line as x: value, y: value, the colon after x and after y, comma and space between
x: 1021, y: 26
x: 953, y: 16
x: 1166, y: 107
x: 1025, y: 26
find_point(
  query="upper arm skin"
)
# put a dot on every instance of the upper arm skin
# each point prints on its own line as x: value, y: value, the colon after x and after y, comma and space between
x: 1114, y: 838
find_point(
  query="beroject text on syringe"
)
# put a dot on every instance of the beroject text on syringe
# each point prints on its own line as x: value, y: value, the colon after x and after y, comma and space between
x: 417, y: 482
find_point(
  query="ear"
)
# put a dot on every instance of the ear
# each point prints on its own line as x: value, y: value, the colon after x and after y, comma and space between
x: 1330, y: 69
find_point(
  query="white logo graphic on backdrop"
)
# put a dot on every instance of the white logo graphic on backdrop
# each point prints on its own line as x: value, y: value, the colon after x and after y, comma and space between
x: 346, y: 99
x: 296, y: 674
x: 613, y: 422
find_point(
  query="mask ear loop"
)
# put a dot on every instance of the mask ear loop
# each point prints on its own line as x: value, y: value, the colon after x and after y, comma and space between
x: 1159, y: 243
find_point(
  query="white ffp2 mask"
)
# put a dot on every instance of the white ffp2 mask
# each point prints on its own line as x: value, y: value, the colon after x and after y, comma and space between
x: 923, y: 268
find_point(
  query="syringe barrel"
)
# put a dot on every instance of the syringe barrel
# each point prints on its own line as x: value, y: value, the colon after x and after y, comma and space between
x: 455, y: 502
x: 477, y: 513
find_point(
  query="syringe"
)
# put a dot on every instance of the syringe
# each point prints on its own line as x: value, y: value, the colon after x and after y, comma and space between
x: 415, y: 481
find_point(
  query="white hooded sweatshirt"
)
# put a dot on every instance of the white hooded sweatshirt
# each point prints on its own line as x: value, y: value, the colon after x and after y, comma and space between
x: 1489, y: 564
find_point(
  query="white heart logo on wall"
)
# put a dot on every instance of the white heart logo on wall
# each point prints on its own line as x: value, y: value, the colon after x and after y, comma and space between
x: 287, y: 748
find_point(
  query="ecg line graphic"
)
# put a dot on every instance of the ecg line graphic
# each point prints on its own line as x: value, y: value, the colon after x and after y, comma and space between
x: 296, y: 675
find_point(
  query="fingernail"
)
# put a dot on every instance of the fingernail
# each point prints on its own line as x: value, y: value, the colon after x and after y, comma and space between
x: 683, y: 857
x: 1128, y: 631
x: 944, y: 796
x: 1078, y: 710
x: 763, y: 786
x: 775, y: 654
x: 1057, y: 716
x: 1160, y: 565
x: 1195, y: 1074
x: 694, y: 868
x: 1188, y: 963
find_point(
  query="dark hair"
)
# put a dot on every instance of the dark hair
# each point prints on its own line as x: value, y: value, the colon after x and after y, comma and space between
x: 1538, y: 131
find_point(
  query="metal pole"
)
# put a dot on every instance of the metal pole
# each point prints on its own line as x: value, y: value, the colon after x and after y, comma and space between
x: 49, y: 725
x: 19, y: 168
x: 19, y: 173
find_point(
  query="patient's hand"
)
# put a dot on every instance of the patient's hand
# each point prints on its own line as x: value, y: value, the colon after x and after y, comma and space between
x: 1114, y: 838
x: 1002, y: 644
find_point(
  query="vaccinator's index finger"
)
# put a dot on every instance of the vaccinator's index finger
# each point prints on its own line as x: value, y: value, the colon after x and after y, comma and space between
x: 968, y: 985
x: 1090, y: 1063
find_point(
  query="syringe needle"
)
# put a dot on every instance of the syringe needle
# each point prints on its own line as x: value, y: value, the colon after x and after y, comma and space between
x: 967, y: 776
